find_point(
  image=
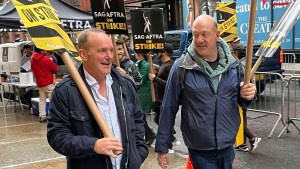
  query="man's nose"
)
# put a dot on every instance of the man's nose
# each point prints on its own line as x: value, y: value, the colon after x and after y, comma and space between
x: 200, y: 39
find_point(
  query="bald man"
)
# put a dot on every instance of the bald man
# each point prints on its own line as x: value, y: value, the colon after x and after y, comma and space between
x: 211, y: 89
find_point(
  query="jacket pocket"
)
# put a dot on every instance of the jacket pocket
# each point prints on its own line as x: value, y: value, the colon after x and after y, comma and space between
x: 81, y: 122
x: 79, y: 115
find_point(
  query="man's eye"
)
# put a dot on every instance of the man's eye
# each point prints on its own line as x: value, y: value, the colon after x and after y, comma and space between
x: 205, y: 35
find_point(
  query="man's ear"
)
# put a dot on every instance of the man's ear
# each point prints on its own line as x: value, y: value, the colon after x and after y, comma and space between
x: 218, y: 34
x: 82, y: 54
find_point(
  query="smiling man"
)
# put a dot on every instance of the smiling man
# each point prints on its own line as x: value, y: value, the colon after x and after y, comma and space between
x: 73, y: 131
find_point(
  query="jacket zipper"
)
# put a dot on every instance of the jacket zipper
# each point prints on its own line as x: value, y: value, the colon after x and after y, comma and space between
x: 126, y: 163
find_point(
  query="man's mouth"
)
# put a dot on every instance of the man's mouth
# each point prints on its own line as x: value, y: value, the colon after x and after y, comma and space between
x: 105, y: 63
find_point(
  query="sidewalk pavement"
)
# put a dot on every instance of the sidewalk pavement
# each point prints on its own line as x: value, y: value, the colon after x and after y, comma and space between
x: 23, y: 145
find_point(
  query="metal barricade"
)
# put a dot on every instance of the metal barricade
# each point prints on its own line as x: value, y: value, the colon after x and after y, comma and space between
x: 288, y: 65
x: 270, y: 96
x: 293, y: 102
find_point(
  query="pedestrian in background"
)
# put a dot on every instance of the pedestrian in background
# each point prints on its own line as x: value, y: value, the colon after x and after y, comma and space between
x: 27, y: 52
x: 43, y: 69
x: 127, y: 67
x: 73, y: 131
x: 51, y: 56
x: 209, y: 99
x: 130, y: 51
x: 144, y: 94
x: 239, y: 52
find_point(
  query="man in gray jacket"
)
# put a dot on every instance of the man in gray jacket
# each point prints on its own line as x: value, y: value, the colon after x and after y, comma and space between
x: 209, y: 97
x: 73, y: 131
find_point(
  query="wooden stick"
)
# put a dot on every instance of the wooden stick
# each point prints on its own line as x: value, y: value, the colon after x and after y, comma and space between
x: 250, y: 40
x: 255, y: 67
x: 87, y: 97
x: 116, y: 58
x: 124, y: 46
x: 151, y: 71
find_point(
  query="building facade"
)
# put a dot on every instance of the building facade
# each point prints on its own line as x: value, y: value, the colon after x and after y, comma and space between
x: 172, y: 12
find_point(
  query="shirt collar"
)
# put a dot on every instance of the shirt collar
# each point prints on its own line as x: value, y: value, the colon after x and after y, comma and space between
x: 92, y: 81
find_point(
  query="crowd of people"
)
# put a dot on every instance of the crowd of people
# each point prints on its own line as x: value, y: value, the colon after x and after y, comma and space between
x: 209, y: 94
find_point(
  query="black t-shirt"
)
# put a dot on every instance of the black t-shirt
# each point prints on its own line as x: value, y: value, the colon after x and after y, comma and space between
x: 214, y: 64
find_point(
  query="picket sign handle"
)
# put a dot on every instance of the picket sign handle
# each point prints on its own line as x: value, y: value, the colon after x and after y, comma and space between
x: 257, y: 64
x: 87, y: 97
x: 151, y: 71
x: 250, y: 40
x: 116, y: 58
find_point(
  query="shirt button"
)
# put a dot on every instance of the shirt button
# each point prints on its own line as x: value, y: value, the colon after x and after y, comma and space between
x: 82, y: 118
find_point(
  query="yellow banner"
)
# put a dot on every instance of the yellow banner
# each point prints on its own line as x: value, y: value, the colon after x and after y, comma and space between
x: 37, y: 14
x: 43, y: 25
x: 227, y: 20
x: 225, y: 26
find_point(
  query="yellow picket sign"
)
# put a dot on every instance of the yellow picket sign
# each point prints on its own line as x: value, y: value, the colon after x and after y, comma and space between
x: 43, y: 25
x: 240, y: 135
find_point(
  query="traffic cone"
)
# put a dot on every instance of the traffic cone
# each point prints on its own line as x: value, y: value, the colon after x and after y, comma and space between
x: 189, y: 164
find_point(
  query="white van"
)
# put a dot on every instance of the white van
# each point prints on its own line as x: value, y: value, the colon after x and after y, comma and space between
x: 10, y: 57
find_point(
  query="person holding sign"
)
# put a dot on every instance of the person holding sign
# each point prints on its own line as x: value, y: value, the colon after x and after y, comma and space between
x: 131, y: 52
x: 73, y: 131
x: 209, y: 98
x: 144, y: 94
x: 238, y: 51
x: 127, y: 67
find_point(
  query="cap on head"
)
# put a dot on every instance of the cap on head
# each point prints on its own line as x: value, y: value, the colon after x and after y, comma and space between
x: 230, y: 41
x: 239, y: 48
x: 169, y: 48
x: 236, y: 39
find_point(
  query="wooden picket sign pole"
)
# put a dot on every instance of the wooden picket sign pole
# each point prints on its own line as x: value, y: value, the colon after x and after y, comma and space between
x: 87, y: 97
x: 124, y: 46
x: 257, y: 64
x: 151, y: 71
x: 116, y: 59
x: 250, y: 40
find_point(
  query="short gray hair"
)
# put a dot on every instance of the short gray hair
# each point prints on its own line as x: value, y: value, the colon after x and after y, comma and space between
x: 83, y: 37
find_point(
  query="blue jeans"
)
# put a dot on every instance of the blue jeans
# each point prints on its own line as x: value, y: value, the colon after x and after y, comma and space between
x: 212, y: 159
